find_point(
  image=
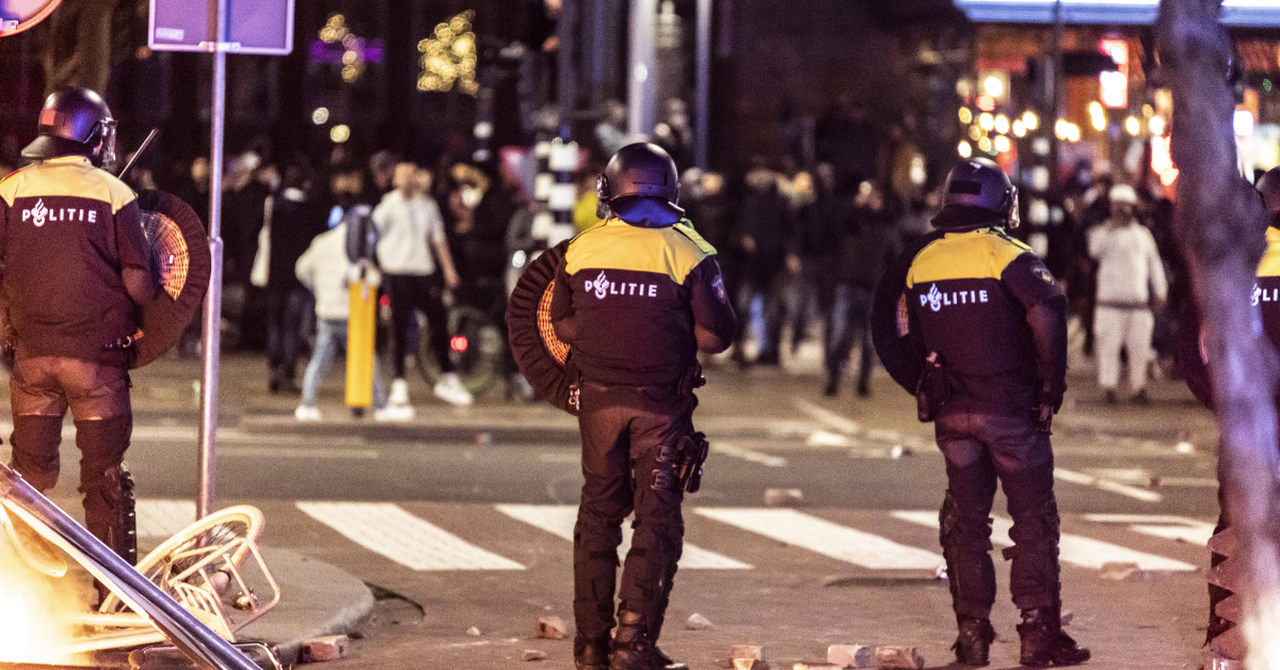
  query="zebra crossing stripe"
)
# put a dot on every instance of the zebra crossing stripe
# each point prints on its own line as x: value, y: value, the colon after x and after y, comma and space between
x: 389, y: 530
x: 1178, y: 528
x: 560, y: 519
x: 163, y: 518
x: 1074, y: 549
x: 826, y: 538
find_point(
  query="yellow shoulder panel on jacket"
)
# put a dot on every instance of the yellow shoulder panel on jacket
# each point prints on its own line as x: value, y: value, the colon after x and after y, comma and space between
x: 686, y: 227
x: 619, y: 246
x: 73, y: 177
x: 1269, y: 266
x: 979, y: 254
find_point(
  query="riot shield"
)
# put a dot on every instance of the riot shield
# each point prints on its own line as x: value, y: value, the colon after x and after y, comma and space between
x: 542, y: 357
x: 180, y: 244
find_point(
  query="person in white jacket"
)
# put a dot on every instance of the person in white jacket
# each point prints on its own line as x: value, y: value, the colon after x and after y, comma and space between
x: 1130, y: 284
x: 327, y: 272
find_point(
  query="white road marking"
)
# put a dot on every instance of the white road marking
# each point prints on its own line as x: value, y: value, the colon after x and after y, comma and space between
x: 831, y: 419
x: 389, y: 530
x: 333, y: 453
x: 734, y: 451
x: 163, y: 518
x: 826, y: 538
x: 560, y: 519
x: 1073, y: 477
x: 1189, y: 482
x: 1074, y: 549
x: 1179, y: 528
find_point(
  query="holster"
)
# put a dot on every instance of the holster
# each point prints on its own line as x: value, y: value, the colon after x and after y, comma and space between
x: 933, y: 390
x: 680, y: 465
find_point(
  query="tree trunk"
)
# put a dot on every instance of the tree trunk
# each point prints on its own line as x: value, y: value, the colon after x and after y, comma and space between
x: 1219, y: 222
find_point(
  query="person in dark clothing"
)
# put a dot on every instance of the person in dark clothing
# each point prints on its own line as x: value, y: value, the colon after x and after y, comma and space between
x: 864, y: 242
x: 638, y: 296
x: 984, y: 349
x: 70, y: 330
x: 293, y: 218
x: 764, y: 231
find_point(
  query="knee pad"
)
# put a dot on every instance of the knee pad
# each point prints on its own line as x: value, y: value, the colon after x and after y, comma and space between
x: 35, y: 449
x: 955, y: 529
x: 102, y: 444
x: 109, y: 512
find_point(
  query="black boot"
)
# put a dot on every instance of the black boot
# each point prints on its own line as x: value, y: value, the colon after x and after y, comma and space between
x: 663, y: 662
x: 632, y: 648
x: 1044, y: 643
x: 590, y: 654
x: 973, y: 644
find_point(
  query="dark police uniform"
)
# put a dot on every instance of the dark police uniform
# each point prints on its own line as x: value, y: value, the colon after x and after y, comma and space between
x: 636, y: 304
x: 67, y: 231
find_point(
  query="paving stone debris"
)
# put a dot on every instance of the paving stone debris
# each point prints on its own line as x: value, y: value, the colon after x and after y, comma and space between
x: 783, y: 497
x: 1118, y: 571
x: 697, y: 622
x: 898, y: 658
x: 534, y: 655
x: 327, y: 648
x: 473, y: 631
x: 819, y: 666
x: 748, y: 664
x: 551, y: 628
x: 851, y: 655
x: 747, y: 657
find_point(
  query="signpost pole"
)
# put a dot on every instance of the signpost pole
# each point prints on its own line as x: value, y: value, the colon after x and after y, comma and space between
x: 213, y: 298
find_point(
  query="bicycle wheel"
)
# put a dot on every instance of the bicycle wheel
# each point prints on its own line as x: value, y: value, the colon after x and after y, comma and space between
x: 178, y: 553
x: 475, y: 349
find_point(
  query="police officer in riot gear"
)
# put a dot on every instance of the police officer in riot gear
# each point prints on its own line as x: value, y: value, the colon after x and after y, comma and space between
x: 638, y: 296
x: 76, y: 268
x: 983, y: 347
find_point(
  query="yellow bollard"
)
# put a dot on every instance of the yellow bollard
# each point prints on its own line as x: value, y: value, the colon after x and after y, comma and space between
x: 360, y: 343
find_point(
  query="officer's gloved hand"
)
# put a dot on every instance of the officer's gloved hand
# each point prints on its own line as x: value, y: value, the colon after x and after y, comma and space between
x: 1047, y: 404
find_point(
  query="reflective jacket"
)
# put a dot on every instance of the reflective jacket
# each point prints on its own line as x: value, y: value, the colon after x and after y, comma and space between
x: 67, y: 229
x: 636, y: 304
x: 996, y: 316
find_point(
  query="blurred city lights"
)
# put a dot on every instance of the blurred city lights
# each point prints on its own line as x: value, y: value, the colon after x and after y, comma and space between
x: 1156, y: 125
x: 984, y: 144
x: 965, y: 149
x: 1243, y: 123
x: 1019, y: 128
x: 1003, y: 144
x: 1148, y: 111
x: 449, y: 56
x: 339, y: 133
x: 986, y: 103
x: 1095, y: 108
x: 320, y: 116
x: 1132, y: 126
x: 1030, y: 120
x: 986, y: 121
x: 1002, y: 124
x: 1066, y: 130
x: 1099, y: 122
x: 993, y: 86
x: 335, y: 31
x: 966, y: 115
x: 975, y: 133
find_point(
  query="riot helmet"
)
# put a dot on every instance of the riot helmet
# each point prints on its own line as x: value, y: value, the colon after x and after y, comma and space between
x: 640, y: 185
x: 980, y: 184
x: 1269, y: 186
x: 75, y: 120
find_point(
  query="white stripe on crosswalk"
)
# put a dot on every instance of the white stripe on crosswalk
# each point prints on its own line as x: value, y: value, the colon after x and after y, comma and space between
x: 559, y: 521
x: 1074, y: 549
x: 1134, y: 492
x: 163, y: 518
x: 1180, y: 528
x: 389, y: 530
x: 826, y: 538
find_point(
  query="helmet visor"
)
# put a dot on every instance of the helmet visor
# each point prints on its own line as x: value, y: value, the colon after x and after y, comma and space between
x: 1015, y: 219
x: 107, y: 145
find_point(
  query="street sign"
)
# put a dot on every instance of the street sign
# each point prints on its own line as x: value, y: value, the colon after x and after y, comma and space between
x: 18, y: 15
x: 253, y: 26
x: 1241, y: 13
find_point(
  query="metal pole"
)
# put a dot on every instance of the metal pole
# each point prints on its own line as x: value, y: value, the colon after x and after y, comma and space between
x: 193, y: 638
x: 641, y: 67
x: 213, y: 298
x: 702, y: 99
x: 567, y: 74
x: 1055, y: 100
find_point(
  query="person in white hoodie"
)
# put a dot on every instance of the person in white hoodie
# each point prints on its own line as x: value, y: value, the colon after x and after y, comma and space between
x: 1130, y: 284
x: 327, y: 272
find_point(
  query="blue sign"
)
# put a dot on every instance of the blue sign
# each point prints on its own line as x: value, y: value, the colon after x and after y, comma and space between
x: 1240, y: 13
x: 253, y: 26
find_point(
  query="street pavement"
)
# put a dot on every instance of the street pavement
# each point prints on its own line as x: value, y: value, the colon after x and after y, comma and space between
x: 459, y: 522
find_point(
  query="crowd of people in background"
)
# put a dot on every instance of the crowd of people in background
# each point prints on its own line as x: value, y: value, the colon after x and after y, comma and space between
x: 802, y: 239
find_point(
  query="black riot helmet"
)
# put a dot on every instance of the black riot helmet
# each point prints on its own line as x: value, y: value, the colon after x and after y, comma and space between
x: 75, y: 120
x: 1269, y: 186
x: 979, y: 184
x: 640, y: 185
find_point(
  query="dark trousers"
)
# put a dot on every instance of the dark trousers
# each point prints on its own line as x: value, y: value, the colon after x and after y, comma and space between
x: 623, y: 429
x: 41, y: 390
x: 410, y: 294
x: 849, y: 322
x: 287, y: 309
x: 981, y: 449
